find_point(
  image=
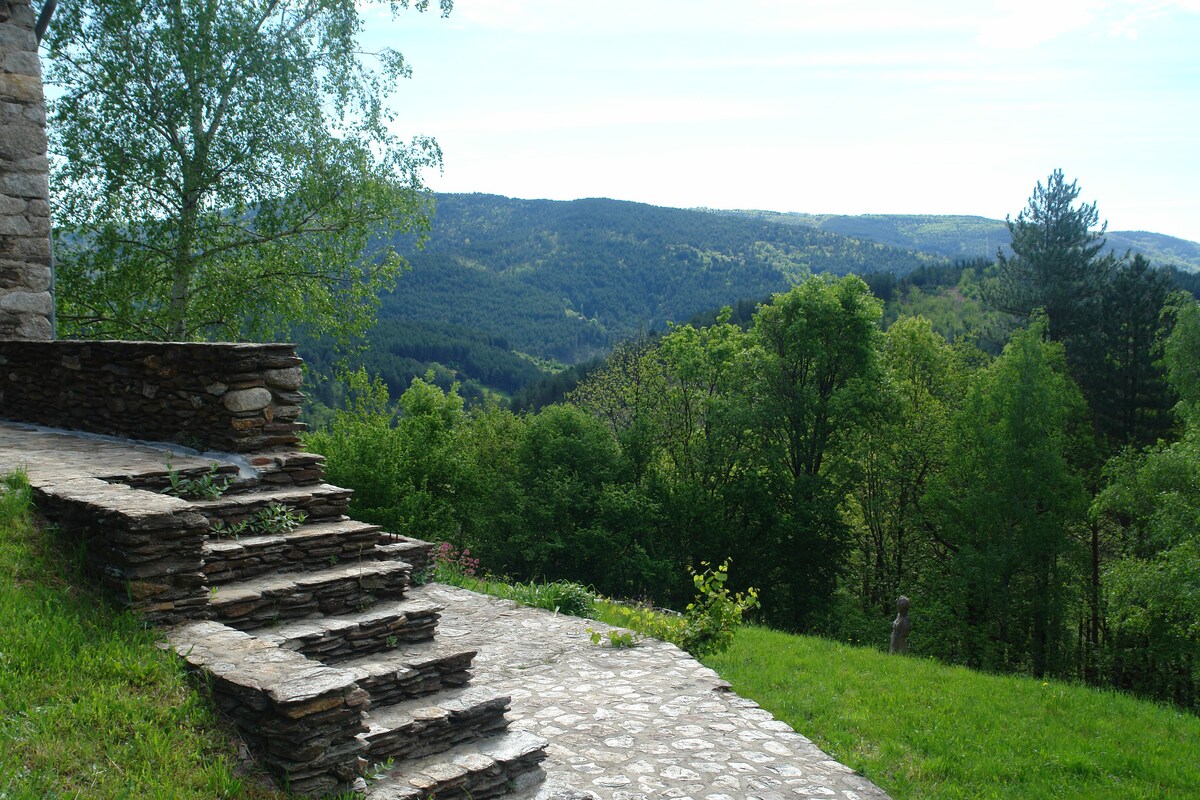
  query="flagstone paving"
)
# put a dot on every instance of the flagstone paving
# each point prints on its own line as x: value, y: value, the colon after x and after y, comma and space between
x: 636, y: 723
x: 53, y: 455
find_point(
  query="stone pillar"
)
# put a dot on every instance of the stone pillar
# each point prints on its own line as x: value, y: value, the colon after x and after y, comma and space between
x: 26, y: 301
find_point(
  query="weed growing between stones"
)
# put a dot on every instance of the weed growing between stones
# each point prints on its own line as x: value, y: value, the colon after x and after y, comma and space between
x: 275, y: 518
x: 617, y: 639
x: 226, y: 530
x: 208, y: 486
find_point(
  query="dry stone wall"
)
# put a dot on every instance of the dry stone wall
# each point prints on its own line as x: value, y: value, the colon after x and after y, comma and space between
x: 26, y: 302
x: 145, y: 548
x: 241, y: 398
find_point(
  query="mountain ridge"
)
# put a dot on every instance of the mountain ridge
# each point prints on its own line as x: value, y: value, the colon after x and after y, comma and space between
x: 971, y: 236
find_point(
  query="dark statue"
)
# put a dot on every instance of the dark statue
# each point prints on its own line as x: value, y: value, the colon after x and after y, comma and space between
x: 900, y: 627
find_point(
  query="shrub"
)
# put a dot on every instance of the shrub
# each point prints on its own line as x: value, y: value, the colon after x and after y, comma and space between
x: 715, y: 613
x: 706, y: 626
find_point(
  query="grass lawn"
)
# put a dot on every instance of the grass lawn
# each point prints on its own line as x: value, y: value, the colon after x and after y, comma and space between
x: 920, y: 729
x: 89, y: 707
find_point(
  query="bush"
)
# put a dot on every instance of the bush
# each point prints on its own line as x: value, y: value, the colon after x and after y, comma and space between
x: 715, y: 613
x: 706, y: 626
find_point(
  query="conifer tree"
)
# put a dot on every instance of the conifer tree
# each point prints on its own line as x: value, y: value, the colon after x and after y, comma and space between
x: 1057, y: 264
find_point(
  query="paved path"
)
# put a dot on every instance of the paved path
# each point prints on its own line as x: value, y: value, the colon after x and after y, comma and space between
x: 634, y: 724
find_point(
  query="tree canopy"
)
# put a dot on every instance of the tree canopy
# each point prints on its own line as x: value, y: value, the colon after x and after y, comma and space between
x: 225, y: 169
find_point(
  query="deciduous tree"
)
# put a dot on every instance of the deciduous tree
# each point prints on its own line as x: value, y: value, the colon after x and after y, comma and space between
x: 808, y: 377
x: 1007, y: 503
x: 226, y: 168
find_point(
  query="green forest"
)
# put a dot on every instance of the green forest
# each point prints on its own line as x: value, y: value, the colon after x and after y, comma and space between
x: 1039, y: 502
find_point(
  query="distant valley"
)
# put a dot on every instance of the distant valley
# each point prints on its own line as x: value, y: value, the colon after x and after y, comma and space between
x: 507, y: 290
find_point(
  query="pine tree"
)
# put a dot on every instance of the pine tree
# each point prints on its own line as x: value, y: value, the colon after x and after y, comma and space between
x: 1057, y: 264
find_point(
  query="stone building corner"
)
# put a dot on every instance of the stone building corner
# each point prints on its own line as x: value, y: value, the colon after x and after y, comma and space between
x: 26, y: 266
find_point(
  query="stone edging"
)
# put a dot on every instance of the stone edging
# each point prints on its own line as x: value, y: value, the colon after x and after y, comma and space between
x: 238, y: 398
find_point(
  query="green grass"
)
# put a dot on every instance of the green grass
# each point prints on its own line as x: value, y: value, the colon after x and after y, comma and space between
x: 89, y: 706
x: 561, y: 597
x: 920, y: 729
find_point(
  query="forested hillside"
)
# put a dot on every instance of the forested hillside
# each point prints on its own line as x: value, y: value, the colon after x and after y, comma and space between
x: 566, y: 280
x: 558, y: 283
x: 505, y: 293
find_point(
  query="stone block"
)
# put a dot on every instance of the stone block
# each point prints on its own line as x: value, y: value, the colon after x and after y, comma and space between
x: 22, y: 63
x: 25, y: 185
x: 15, y: 225
x: 36, y: 114
x: 25, y: 88
x: 18, y: 36
x: 38, y: 226
x: 27, y: 302
x: 247, y: 400
x: 13, y: 205
x: 35, y: 327
x: 292, y: 378
x: 25, y: 248
x: 33, y: 163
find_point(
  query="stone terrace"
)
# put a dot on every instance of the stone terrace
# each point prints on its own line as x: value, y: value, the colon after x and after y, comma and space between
x: 647, y: 722
x: 634, y: 724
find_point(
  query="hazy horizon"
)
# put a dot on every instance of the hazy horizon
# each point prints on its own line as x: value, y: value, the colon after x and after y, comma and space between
x: 859, y: 108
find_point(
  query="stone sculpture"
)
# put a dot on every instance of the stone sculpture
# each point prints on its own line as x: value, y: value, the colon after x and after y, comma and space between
x: 900, y: 627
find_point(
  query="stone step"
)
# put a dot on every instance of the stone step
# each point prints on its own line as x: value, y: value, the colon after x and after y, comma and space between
x: 414, y: 551
x: 319, y: 502
x: 282, y: 467
x: 311, y: 546
x: 427, y: 725
x: 480, y: 770
x: 303, y: 719
x: 223, y: 473
x: 384, y: 626
x: 269, y: 599
x: 411, y: 671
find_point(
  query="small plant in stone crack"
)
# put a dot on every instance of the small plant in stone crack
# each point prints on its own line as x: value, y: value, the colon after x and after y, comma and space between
x: 208, y: 486
x: 375, y: 772
x: 227, y: 530
x: 276, y: 518
x: 617, y: 639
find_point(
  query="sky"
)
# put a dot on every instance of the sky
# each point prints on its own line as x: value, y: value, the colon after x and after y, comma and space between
x: 851, y: 107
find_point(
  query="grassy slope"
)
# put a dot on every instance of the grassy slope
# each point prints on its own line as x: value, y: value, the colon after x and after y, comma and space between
x: 89, y: 706
x: 920, y: 729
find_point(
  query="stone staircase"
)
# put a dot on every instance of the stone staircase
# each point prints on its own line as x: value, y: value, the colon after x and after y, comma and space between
x: 322, y: 652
